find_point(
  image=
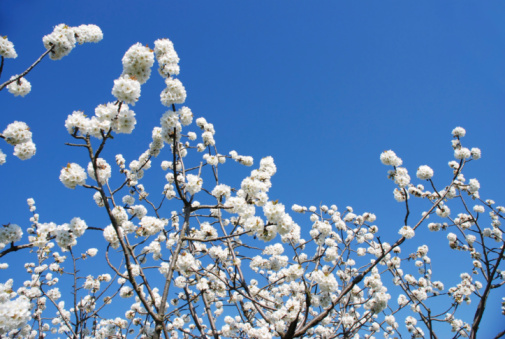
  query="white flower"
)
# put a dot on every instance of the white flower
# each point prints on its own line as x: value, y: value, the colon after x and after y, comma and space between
x: 443, y: 211
x: 208, y: 139
x: 17, y: 132
x: 25, y: 150
x: 186, y: 115
x: 424, y: 172
x: 245, y: 160
x: 7, y: 48
x: 473, y: 185
x: 462, y: 153
x: 458, y: 132
x: 211, y: 159
x: 175, y: 93
x: 201, y: 122
x: 167, y: 57
x: 407, y: 232
x: 77, y: 120
x: 73, y: 175
x: 10, y: 233
x: 126, y: 292
x: 61, y: 41
x: 400, y: 195
x: 180, y: 281
x: 104, y: 170
x: 126, y: 89
x: 77, y: 226
x: 125, y: 121
x: 137, y: 62
x: 476, y: 153
x: 191, y: 136
x: 194, y: 184
x: 109, y: 233
x: 390, y: 158
x: 452, y: 237
x: 88, y: 33
x: 97, y: 197
x: 119, y: 214
x: 92, y: 252
x: 221, y: 190
x: 150, y: 226
x: 326, y: 280
x: 402, y: 300
x: 14, y: 314
x: 20, y: 87
x: 402, y: 177
x: 64, y: 238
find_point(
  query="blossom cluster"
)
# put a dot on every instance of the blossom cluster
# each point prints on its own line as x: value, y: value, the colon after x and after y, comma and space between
x: 19, y: 135
x: 108, y: 117
x: 20, y: 86
x: 7, y: 48
x: 64, y: 38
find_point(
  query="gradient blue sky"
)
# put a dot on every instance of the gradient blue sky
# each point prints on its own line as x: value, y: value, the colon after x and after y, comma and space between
x: 322, y: 86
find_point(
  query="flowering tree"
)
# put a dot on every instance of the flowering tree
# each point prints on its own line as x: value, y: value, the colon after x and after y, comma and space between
x: 196, y: 258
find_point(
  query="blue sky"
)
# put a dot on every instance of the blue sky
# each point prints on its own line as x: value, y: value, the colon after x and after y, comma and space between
x: 322, y: 86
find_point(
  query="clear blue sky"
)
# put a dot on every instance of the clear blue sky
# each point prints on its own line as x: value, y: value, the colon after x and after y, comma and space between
x: 322, y: 86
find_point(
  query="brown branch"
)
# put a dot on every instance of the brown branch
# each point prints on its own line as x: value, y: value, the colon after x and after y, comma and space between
x: 2, y: 86
x: 15, y: 248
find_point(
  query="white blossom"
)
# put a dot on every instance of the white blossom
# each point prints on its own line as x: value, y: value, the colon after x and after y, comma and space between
x: 73, y: 175
x: 20, y: 87
x: 7, y: 48
x: 126, y: 89
x: 424, y: 172
x: 137, y: 63
x: 174, y: 93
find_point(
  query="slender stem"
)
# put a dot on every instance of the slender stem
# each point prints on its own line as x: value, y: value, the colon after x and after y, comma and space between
x: 2, y: 86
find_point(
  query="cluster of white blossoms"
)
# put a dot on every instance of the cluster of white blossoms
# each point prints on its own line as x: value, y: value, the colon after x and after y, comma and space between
x: 174, y: 93
x: 221, y: 190
x: 110, y: 235
x: 256, y: 186
x: 73, y: 175
x: 424, y: 172
x: 19, y: 135
x: 389, y: 158
x: 460, y: 152
x: 7, y: 48
x: 207, y: 135
x: 242, y: 159
x: 63, y: 38
x: 103, y: 169
x: 407, y: 232
x: 167, y: 57
x: 9, y: 233
x: 168, y: 61
x: 465, y: 289
x: 150, y: 226
x: 186, y: 264
x: 325, y: 279
x: 194, y: 184
x: 14, y: 313
x: 137, y: 62
x: 115, y: 117
x: 19, y: 87
x: 126, y: 89
x: 172, y: 122
x: 65, y: 235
